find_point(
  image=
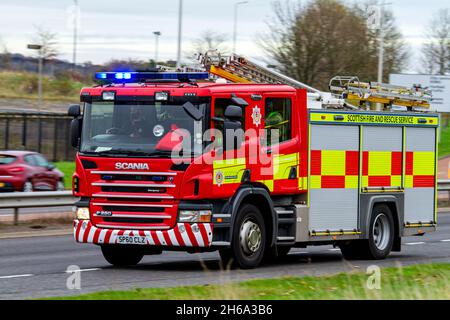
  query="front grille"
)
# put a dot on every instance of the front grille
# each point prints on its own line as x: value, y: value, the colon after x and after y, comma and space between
x: 133, y: 220
x: 113, y: 177
x: 132, y: 209
x: 133, y: 200
x: 133, y: 189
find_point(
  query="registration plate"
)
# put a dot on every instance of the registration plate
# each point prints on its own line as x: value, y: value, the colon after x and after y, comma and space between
x: 131, y: 240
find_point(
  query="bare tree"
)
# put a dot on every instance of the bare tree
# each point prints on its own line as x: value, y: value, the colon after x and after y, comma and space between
x: 324, y: 38
x: 209, y: 40
x: 436, y: 50
x: 48, y: 41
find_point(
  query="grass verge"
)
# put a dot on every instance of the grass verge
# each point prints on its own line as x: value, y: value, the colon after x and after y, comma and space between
x: 444, y: 145
x: 68, y: 168
x: 421, y: 282
x: 23, y: 85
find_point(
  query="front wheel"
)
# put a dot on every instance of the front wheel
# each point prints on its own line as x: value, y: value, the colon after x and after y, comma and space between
x: 122, y: 256
x: 27, y: 186
x: 248, y: 239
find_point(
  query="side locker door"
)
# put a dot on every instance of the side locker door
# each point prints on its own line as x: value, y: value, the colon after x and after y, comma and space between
x: 420, y: 175
x: 382, y: 158
x: 334, y: 178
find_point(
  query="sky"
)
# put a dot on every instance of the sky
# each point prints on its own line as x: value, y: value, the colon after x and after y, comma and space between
x: 124, y: 29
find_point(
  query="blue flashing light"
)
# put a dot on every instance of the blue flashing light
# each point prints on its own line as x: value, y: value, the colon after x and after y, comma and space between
x: 121, y: 77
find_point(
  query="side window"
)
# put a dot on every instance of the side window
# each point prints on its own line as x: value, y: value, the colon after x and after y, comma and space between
x: 220, y: 105
x: 30, y: 160
x: 278, y: 119
x: 40, y: 161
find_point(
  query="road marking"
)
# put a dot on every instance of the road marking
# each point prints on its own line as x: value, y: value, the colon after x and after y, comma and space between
x: 446, y: 240
x: 414, y: 243
x: 84, y: 270
x: 17, y: 276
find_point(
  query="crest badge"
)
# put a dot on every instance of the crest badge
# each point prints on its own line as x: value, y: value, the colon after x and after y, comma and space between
x: 219, y: 178
x: 256, y: 116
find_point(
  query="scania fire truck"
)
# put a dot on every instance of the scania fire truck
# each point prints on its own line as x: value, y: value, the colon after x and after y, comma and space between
x: 354, y: 168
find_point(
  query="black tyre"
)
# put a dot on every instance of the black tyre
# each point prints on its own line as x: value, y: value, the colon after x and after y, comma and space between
x: 122, y: 256
x: 248, y: 240
x: 381, y: 237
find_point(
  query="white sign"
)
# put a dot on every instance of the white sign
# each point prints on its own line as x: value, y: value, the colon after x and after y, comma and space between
x: 439, y: 85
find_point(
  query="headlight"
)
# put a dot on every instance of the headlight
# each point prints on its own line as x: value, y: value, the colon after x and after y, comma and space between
x: 195, y: 215
x: 161, y: 96
x: 82, y: 214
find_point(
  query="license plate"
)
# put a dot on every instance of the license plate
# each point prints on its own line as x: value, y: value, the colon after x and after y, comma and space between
x: 131, y: 240
x: 2, y: 184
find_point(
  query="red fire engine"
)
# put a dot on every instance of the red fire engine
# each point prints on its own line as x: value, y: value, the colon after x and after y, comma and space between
x: 353, y: 177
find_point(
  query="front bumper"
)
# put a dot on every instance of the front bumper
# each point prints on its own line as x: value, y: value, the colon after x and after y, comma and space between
x: 10, y: 183
x: 197, y: 235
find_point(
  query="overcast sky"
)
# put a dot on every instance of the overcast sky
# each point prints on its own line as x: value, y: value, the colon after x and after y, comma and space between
x: 122, y: 29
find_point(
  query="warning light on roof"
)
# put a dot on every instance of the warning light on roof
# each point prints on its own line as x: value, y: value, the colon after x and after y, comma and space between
x: 121, y: 77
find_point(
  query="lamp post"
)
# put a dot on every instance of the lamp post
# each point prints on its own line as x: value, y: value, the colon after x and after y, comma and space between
x: 75, y: 33
x: 38, y: 47
x: 236, y: 6
x: 157, y: 35
x: 180, y: 25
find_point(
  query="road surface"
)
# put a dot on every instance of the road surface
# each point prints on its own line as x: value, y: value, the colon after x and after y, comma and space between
x: 36, y: 267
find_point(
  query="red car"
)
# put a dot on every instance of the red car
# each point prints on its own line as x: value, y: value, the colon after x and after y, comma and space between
x: 28, y: 171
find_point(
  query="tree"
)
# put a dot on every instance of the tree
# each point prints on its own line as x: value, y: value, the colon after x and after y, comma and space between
x: 209, y: 40
x: 436, y: 50
x: 325, y: 38
x: 5, y: 56
x: 48, y: 41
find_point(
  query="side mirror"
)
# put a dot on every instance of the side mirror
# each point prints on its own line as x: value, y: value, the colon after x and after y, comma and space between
x: 51, y: 166
x: 75, y: 132
x: 233, y: 113
x: 74, y: 110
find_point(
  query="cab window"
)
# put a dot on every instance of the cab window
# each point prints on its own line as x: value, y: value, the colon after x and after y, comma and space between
x: 278, y: 119
x: 220, y: 105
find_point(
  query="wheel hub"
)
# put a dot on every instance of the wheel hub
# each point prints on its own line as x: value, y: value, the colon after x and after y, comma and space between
x: 381, y: 231
x: 250, y: 237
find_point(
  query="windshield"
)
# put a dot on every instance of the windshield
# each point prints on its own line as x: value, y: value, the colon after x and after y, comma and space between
x: 142, y: 129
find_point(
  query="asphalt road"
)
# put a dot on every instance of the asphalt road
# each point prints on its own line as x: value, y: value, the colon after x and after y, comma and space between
x: 36, y: 267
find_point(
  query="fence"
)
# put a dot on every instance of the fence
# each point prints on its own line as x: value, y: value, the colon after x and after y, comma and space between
x: 46, y: 133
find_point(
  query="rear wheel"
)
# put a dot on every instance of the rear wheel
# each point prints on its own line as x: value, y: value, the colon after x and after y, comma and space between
x: 122, y: 256
x: 248, y: 240
x: 60, y: 186
x: 381, y: 237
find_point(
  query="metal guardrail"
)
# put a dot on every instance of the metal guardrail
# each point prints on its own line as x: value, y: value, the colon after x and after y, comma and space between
x: 19, y: 200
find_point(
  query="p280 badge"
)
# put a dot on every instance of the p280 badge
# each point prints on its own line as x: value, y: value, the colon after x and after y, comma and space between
x: 103, y: 213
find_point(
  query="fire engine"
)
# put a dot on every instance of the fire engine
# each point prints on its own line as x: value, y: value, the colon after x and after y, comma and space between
x: 354, y: 168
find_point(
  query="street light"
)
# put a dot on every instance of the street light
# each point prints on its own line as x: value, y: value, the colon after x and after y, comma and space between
x: 38, y: 47
x: 157, y: 35
x: 180, y: 24
x: 236, y: 5
x: 381, y: 5
x: 75, y: 33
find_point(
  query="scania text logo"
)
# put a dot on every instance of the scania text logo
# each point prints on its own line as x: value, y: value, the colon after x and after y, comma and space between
x: 131, y: 166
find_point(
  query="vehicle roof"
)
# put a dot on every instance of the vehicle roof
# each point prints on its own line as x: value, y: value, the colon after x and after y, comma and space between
x: 202, y: 88
x: 16, y: 153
